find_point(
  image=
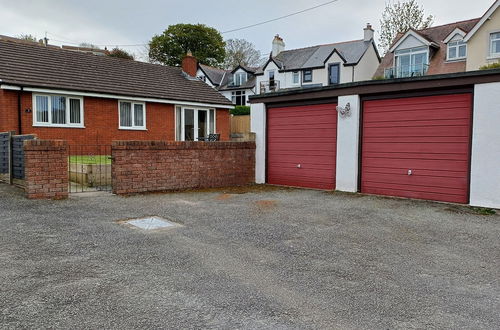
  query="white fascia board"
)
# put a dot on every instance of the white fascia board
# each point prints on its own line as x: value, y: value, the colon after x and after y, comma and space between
x: 416, y: 35
x: 121, y: 97
x: 10, y: 87
x: 454, y: 33
x: 485, y: 17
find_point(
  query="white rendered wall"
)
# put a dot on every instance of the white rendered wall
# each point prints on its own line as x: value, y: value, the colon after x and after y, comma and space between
x: 485, y: 169
x: 258, y: 126
x: 348, y: 145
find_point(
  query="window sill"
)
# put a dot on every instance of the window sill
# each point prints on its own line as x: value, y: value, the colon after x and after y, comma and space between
x: 461, y: 59
x: 493, y: 57
x: 56, y: 126
x: 132, y: 129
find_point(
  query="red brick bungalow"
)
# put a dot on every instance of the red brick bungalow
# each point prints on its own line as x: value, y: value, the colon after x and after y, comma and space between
x: 92, y: 100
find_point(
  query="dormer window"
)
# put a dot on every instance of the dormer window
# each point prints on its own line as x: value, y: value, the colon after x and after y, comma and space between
x: 410, y: 62
x: 240, y: 78
x: 457, y: 50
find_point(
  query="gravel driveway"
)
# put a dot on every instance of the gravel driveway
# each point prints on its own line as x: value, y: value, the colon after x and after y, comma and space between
x: 253, y: 258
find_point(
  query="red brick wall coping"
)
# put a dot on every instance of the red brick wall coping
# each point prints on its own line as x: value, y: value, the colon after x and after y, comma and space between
x: 169, y: 145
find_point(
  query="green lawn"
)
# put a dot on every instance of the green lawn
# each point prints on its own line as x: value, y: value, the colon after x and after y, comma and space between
x: 91, y: 160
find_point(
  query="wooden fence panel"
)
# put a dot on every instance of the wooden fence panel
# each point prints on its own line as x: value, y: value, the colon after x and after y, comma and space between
x: 240, y: 124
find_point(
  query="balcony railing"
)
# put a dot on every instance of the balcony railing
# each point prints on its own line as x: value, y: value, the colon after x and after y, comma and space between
x: 404, y: 71
x: 269, y: 86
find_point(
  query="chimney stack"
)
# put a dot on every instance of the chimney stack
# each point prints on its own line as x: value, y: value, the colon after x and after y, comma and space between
x: 278, y: 45
x: 369, y: 32
x: 190, y: 64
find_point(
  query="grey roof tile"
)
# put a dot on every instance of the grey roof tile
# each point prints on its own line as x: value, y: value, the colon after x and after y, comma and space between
x: 38, y: 66
x: 315, y: 56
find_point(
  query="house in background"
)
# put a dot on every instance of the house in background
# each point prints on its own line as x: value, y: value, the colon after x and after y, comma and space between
x: 319, y: 65
x: 93, y: 100
x: 236, y: 85
x: 456, y: 47
x: 483, y: 41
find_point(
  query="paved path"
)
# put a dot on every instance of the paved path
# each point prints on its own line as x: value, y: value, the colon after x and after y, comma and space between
x: 257, y: 258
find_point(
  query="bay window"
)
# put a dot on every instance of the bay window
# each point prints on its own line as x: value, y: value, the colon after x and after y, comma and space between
x: 132, y: 115
x: 57, y: 110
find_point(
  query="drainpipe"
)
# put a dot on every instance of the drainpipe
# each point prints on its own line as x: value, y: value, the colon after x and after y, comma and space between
x: 19, y: 112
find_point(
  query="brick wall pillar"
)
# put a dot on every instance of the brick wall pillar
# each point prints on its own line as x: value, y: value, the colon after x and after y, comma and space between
x: 46, y: 169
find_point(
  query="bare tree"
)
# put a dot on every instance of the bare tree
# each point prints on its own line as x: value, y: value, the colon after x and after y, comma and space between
x: 399, y: 17
x: 240, y: 51
x: 27, y: 37
x: 88, y: 45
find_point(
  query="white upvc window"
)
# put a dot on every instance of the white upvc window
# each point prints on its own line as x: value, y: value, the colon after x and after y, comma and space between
x: 296, y: 77
x: 57, y: 110
x: 457, y: 50
x: 240, y: 78
x: 132, y: 115
x: 495, y: 44
x: 412, y: 61
x: 194, y: 124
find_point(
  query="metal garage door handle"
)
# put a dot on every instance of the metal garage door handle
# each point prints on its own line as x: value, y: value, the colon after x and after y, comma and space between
x: 299, y: 166
x: 410, y: 172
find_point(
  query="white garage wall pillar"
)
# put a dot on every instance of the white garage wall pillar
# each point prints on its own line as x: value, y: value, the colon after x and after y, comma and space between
x: 348, y: 145
x: 485, y: 167
x: 258, y: 126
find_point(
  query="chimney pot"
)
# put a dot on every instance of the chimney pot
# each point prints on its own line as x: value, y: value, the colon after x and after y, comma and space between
x: 368, y: 32
x: 278, y: 45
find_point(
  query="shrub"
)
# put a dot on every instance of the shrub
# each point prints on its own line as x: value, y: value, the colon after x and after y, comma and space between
x: 378, y: 78
x: 491, y: 66
x: 241, y: 110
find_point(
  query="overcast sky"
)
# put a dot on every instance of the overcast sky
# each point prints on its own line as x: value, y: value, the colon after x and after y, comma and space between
x: 135, y: 22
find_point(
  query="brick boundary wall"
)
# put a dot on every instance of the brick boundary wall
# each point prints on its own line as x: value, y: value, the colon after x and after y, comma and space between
x: 149, y: 166
x: 46, y: 169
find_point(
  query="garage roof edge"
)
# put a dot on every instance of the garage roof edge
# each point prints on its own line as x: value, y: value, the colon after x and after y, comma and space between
x: 381, y: 86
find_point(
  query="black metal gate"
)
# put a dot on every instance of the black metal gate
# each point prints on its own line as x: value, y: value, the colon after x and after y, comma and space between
x: 89, y: 168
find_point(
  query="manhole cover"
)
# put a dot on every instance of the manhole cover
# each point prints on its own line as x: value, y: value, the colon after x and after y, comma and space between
x: 151, y: 223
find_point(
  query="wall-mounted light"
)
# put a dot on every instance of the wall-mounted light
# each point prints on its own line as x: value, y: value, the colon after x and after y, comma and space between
x: 344, y: 111
x: 28, y: 110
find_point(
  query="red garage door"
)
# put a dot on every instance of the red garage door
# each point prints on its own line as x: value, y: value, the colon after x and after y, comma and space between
x: 417, y: 147
x: 301, y: 146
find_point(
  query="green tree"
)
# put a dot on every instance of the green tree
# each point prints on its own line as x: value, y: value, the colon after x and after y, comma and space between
x: 399, y: 17
x: 172, y: 45
x: 120, y: 53
x: 240, y: 51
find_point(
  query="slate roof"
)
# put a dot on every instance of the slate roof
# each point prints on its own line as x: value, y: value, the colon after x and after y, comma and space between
x: 33, y: 65
x: 436, y: 34
x: 215, y: 75
x: 221, y: 78
x: 315, y: 56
